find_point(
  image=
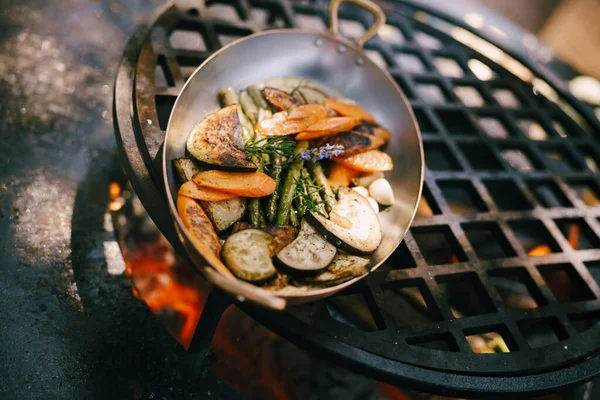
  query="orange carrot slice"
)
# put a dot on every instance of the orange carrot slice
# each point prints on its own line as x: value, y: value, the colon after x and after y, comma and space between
x: 370, y: 161
x: 299, y: 119
x: 339, y: 175
x: 309, y: 110
x: 202, y: 234
x: 246, y: 184
x: 190, y: 189
x: 328, y: 126
x: 349, y: 110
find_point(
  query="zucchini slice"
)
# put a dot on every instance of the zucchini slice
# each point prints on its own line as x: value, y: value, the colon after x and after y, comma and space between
x: 308, y: 252
x: 225, y: 213
x: 248, y: 253
x: 217, y: 141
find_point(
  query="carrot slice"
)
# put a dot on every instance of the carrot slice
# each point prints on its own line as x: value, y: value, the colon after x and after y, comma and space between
x: 246, y: 184
x: 382, y: 133
x: 328, y: 126
x: 299, y: 119
x: 190, y: 189
x: 202, y: 234
x: 370, y: 161
x: 349, y: 110
x: 339, y: 175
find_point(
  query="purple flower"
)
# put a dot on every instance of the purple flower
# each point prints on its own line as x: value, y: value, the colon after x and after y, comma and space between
x: 319, y: 153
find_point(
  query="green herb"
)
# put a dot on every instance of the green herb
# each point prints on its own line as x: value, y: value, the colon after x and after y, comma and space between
x: 271, y: 146
x: 309, y: 197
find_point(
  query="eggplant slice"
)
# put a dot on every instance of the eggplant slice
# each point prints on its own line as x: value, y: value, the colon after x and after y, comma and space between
x: 217, y: 141
x: 248, y: 254
x: 308, y: 252
x: 280, y: 99
x: 343, y: 267
x: 353, y: 225
x: 225, y: 213
x: 354, y: 142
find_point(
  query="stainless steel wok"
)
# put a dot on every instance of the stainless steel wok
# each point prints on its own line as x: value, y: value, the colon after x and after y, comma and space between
x: 329, y: 59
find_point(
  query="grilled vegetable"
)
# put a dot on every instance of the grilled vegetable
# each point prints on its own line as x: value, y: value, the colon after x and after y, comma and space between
x: 249, y: 107
x: 225, y: 213
x: 289, y: 187
x: 354, y: 142
x: 280, y: 99
x: 248, y: 254
x: 356, y: 229
x: 203, y: 236
x: 217, y: 140
x: 308, y: 252
x: 382, y: 133
x: 185, y: 169
x: 349, y: 110
x: 257, y: 96
x: 328, y: 126
x: 309, y: 95
x: 283, y: 234
x: 190, y: 189
x: 228, y: 97
x: 276, y: 169
x: 381, y: 191
x: 367, y: 179
x: 370, y: 161
x: 319, y: 176
x: 299, y: 119
x: 247, y: 184
x: 340, y: 175
x: 343, y: 267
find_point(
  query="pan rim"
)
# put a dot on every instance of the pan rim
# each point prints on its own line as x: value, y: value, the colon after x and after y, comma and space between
x: 310, y: 293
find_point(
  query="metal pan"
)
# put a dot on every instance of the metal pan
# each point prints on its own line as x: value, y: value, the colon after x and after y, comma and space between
x: 329, y: 59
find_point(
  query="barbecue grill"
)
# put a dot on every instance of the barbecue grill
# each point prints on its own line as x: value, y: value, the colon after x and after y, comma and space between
x: 507, y: 239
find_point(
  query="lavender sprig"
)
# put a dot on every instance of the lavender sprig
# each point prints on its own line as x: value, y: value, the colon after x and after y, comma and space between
x: 318, y: 153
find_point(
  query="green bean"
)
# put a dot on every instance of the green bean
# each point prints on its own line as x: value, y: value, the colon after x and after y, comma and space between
x: 257, y: 96
x: 321, y: 180
x: 289, y: 186
x: 272, y: 201
x: 249, y: 107
x: 228, y: 97
x: 255, y: 211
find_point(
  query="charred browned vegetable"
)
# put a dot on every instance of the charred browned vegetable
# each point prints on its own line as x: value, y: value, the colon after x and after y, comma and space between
x: 217, y: 140
x: 308, y: 252
x: 283, y: 234
x: 225, y: 213
x: 354, y: 142
x: 280, y: 99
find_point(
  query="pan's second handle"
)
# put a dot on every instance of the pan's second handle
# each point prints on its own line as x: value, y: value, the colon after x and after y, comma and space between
x: 368, y: 5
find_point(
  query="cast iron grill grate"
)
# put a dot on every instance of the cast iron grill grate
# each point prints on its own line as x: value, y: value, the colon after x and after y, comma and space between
x: 506, y: 241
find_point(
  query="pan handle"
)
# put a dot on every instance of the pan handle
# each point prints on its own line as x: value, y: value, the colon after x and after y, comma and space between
x: 243, y: 290
x: 368, y: 5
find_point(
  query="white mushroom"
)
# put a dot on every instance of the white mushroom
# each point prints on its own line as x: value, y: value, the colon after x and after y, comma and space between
x: 381, y: 191
x: 361, y: 190
x: 367, y: 179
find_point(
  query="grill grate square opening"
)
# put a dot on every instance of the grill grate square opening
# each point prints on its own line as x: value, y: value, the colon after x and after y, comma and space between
x: 481, y: 70
x: 506, y: 98
x: 164, y: 106
x: 162, y: 73
x: 310, y: 22
x: 352, y: 310
x: 439, y: 158
x: 438, y: 245
x: 578, y: 233
x: 410, y: 62
x: 377, y: 58
x: 534, y: 237
x: 465, y: 295
x: 560, y: 159
x: 187, y: 40
x: 480, y: 157
x: 456, y: 121
x: 391, y: 34
x: 461, y: 196
x: 490, y: 340
x: 222, y: 11
x: 532, y: 129
x: 227, y: 34
x: 443, y: 342
x: 427, y: 41
x: 487, y: 240
x: 448, y: 67
x: 431, y: 92
x: 469, y: 96
x: 351, y: 29
x: 507, y: 195
x: 594, y: 268
x: 423, y: 120
x: 591, y: 159
x: 188, y: 64
x: 583, y: 322
x: 549, y: 194
x: 409, y: 303
x: 517, y: 288
x: 427, y: 206
x: 520, y: 159
x: 565, y: 283
x: 400, y: 259
x: 542, y: 332
x: 587, y: 190
x: 494, y: 127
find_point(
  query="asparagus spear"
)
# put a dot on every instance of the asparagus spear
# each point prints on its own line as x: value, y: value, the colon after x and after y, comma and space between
x: 272, y: 201
x: 228, y: 97
x: 321, y: 180
x: 257, y: 96
x: 289, y: 186
x: 249, y: 107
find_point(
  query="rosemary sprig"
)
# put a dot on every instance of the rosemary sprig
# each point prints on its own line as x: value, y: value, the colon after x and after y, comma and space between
x: 271, y: 146
x: 309, y: 197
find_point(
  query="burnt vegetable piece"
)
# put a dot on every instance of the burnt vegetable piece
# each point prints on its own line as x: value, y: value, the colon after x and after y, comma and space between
x: 352, y: 226
x: 280, y: 99
x: 283, y: 234
x: 248, y: 254
x: 225, y: 213
x: 308, y: 252
x: 354, y: 142
x: 185, y: 169
x: 217, y: 141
